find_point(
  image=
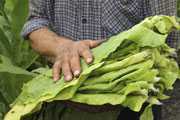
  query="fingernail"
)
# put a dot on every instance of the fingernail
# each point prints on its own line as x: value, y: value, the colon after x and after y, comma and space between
x: 68, y: 78
x: 77, y: 72
x: 89, y: 60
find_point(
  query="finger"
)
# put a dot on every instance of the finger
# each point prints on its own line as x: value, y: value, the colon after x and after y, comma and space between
x: 75, y: 64
x: 56, y: 70
x: 86, y: 54
x: 66, y: 70
x: 93, y: 43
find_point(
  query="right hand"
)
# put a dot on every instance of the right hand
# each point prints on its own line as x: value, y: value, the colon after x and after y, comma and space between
x: 67, y: 57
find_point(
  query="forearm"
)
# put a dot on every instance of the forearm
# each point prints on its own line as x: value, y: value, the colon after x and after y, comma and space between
x: 45, y: 41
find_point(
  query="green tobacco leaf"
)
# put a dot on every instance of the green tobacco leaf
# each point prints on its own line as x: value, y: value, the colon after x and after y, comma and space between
x: 102, y: 52
x: 2, y: 110
x: 143, y: 34
x: 147, y: 114
x: 5, y: 46
x: 3, y: 22
x: 26, y: 58
x: 112, y: 98
x: 19, y: 15
x: 133, y: 59
x: 122, y: 73
x: 42, y: 88
x: 11, y: 79
x: 11, y: 43
x: 168, y: 69
x: 9, y: 5
x: 7, y: 66
x: 135, y: 102
x: 23, y: 54
x: 3, y: 106
x: 2, y: 2
x: 99, y: 99
x: 11, y: 84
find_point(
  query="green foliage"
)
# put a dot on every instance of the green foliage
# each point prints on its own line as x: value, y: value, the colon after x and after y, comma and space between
x: 148, y: 115
x: 140, y: 77
x: 12, y: 79
x: 15, y: 53
x: 11, y: 44
x: 2, y: 2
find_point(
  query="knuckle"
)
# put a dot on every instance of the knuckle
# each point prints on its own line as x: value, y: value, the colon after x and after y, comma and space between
x: 65, y: 58
x: 74, y: 58
x: 74, y: 53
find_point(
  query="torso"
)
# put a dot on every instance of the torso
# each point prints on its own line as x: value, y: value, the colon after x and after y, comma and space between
x: 93, y: 19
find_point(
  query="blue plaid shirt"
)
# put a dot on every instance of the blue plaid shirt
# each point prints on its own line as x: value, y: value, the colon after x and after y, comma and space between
x: 94, y: 19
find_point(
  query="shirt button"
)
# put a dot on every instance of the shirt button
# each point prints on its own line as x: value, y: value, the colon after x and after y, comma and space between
x: 84, y: 20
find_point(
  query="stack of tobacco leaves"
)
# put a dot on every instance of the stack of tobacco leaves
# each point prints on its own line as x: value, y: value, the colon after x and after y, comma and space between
x: 130, y: 69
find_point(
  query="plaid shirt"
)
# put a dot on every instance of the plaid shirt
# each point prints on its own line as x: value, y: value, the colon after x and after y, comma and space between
x: 94, y: 19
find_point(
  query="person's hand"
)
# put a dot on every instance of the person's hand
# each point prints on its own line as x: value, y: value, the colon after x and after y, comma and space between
x: 65, y: 52
x: 67, y: 57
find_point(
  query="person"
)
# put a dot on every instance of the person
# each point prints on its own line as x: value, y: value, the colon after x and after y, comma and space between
x: 66, y: 30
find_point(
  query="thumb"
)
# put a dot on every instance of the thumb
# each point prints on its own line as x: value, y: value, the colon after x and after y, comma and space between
x: 94, y: 43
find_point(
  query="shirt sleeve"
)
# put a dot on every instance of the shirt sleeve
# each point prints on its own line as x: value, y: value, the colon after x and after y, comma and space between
x: 37, y: 18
